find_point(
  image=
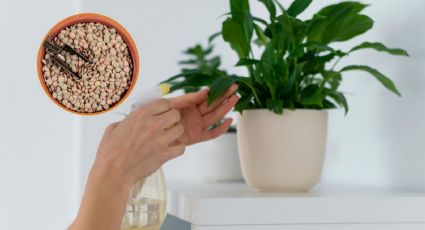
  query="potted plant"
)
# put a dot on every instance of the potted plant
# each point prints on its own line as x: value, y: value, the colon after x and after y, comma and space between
x: 219, y: 160
x: 291, y: 82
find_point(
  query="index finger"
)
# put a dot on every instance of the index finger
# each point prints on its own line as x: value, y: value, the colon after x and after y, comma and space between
x: 159, y: 106
x: 204, y: 108
x: 189, y: 99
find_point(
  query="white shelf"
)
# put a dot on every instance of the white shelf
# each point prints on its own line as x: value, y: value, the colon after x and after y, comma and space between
x: 238, y: 205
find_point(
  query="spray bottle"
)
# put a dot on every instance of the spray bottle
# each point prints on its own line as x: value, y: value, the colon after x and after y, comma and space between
x: 146, y: 206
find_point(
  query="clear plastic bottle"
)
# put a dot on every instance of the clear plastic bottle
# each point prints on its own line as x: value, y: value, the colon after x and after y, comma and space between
x: 146, y: 206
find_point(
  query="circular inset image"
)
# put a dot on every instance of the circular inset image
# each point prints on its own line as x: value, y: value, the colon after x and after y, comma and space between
x: 88, y: 64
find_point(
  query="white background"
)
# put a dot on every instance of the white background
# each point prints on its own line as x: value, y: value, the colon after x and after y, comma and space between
x: 45, y: 153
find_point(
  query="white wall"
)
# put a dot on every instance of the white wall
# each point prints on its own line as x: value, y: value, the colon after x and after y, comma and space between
x: 38, y: 153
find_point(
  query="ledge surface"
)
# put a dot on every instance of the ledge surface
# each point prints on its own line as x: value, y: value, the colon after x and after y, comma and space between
x: 237, y: 204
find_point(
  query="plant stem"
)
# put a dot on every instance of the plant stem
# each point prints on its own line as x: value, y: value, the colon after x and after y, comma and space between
x: 336, y: 63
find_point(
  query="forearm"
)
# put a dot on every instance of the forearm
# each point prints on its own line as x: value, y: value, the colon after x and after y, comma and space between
x: 104, y: 202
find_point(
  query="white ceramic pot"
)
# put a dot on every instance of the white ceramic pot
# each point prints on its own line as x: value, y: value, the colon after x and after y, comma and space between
x: 218, y: 161
x: 282, y: 152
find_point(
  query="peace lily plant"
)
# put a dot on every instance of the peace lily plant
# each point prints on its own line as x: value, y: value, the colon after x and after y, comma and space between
x: 291, y: 82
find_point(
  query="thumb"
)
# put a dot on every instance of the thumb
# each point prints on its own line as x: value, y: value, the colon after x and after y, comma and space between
x: 189, y: 99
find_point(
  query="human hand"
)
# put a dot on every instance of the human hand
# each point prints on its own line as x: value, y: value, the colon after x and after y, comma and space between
x: 197, y: 117
x: 138, y: 145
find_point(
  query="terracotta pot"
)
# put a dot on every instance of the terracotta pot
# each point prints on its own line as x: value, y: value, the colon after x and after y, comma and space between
x: 282, y: 153
x: 90, y: 17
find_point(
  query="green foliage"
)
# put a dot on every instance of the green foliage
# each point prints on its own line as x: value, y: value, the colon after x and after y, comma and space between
x: 297, y: 7
x: 379, y: 76
x: 199, y: 70
x: 340, y: 22
x: 380, y: 47
x: 219, y: 87
x: 297, y: 64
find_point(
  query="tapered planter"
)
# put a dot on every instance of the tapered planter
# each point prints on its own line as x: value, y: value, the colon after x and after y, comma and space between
x: 219, y: 160
x: 282, y: 152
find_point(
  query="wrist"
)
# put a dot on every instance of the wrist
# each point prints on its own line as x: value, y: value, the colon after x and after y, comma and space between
x: 104, y: 174
x: 104, y: 201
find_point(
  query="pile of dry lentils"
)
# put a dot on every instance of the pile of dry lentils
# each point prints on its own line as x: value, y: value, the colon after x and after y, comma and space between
x: 103, y: 82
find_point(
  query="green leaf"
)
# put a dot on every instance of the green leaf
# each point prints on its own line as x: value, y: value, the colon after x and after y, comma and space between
x: 281, y: 69
x: 297, y: 7
x: 282, y: 34
x: 188, y: 62
x: 380, y: 47
x: 198, y: 51
x: 246, y: 87
x: 187, y: 73
x: 275, y: 105
x: 333, y: 78
x: 246, y: 61
x: 241, y: 14
x: 339, y: 9
x: 262, y: 38
x: 270, y: 7
x: 267, y: 63
x: 238, y: 8
x: 213, y: 37
x: 234, y: 34
x: 260, y: 20
x: 348, y: 28
x: 238, y: 29
x: 311, y: 96
x: 243, y: 103
x: 289, y: 84
x: 282, y: 9
x: 299, y: 50
x: 329, y: 104
x: 193, y: 81
x: 385, y: 81
x: 342, y: 23
x: 219, y: 87
x: 339, y: 98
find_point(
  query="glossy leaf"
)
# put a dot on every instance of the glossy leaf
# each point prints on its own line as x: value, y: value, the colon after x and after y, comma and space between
x: 289, y: 84
x: 342, y: 23
x: 240, y: 12
x: 234, y: 34
x: 339, y: 98
x: 282, y: 9
x: 385, y: 81
x: 312, y: 96
x: 244, y: 103
x: 214, y: 36
x: 246, y: 61
x: 262, y: 38
x: 380, y: 47
x: 297, y: 7
x: 347, y: 29
x: 294, y: 65
x: 299, y: 51
x: 219, y: 87
x: 269, y: 4
x: 275, y: 105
